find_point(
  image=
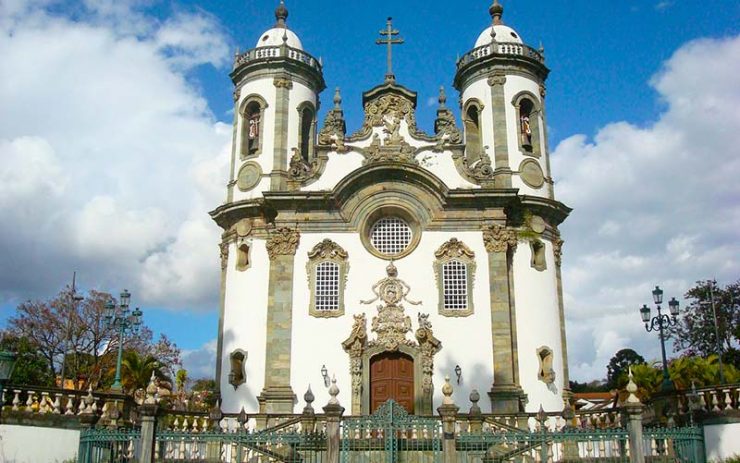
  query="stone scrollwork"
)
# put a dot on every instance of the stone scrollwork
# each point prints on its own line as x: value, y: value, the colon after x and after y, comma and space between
x: 283, y: 83
x: 391, y: 327
x: 429, y: 346
x: 445, y: 127
x: 335, y: 129
x: 557, y: 248
x: 299, y: 169
x: 499, y: 239
x: 283, y: 242
x: 224, y: 252
x: 454, y: 248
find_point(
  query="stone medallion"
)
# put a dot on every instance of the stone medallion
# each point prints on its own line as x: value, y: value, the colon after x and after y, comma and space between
x: 249, y: 176
x: 531, y: 173
x: 537, y: 224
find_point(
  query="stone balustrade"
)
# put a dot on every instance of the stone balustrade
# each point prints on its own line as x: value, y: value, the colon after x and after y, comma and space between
x: 266, y: 53
x: 502, y: 49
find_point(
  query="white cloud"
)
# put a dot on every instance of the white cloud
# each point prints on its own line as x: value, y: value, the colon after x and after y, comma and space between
x: 664, y: 200
x: 111, y: 158
x: 200, y: 363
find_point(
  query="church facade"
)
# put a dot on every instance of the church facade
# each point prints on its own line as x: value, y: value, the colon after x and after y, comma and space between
x: 384, y: 257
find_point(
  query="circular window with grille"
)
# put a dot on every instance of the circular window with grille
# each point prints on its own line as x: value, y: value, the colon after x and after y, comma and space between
x: 391, y: 235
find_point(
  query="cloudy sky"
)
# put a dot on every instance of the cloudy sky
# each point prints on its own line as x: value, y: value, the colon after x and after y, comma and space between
x: 116, y: 123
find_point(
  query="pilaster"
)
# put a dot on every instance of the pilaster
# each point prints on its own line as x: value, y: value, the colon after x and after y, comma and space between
x: 234, y: 133
x: 557, y: 248
x: 545, y: 144
x: 224, y: 252
x: 277, y: 395
x: 506, y: 395
x: 502, y: 170
x: 279, y: 175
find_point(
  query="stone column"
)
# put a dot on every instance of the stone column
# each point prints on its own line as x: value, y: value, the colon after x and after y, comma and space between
x: 333, y: 412
x: 634, y: 426
x: 148, y: 417
x: 277, y: 395
x: 502, y: 171
x: 557, y: 248
x: 279, y: 175
x: 448, y: 411
x: 505, y: 393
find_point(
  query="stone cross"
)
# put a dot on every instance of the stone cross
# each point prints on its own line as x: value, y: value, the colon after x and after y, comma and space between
x: 388, y: 39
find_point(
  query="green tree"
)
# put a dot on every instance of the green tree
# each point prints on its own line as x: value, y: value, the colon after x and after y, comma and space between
x: 619, y: 364
x: 30, y: 366
x: 137, y: 369
x: 695, y: 335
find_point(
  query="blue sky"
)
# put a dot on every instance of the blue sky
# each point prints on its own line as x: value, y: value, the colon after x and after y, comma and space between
x: 115, y: 181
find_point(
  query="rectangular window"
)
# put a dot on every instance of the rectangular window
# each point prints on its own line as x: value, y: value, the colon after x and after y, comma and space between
x: 455, y: 284
x: 327, y: 286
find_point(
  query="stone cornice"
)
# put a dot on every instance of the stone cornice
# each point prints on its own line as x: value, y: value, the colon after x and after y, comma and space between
x: 275, y: 65
x: 507, y: 64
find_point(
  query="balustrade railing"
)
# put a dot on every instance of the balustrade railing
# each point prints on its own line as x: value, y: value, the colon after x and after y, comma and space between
x: 500, y: 48
x: 263, y: 53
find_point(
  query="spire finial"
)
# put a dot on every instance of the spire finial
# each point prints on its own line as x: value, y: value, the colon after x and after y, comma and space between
x: 390, y: 39
x: 281, y: 14
x: 337, y: 99
x: 497, y: 11
x: 442, y: 96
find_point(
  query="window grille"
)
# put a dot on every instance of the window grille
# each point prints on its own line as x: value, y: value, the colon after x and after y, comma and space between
x: 455, y: 283
x: 390, y: 235
x: 327, y: 286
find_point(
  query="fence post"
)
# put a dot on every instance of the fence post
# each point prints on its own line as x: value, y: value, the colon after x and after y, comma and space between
x: 448, y: 411
x: 148, y: 413
x: 634, y: 426
x: 333, y: 411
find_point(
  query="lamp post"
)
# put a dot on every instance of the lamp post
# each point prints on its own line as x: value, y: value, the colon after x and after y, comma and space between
x: 118, y: 317
x: 659, y: 323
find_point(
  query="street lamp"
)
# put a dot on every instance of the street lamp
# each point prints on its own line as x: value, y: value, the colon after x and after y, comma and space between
x: 120, y: 319
x: 660, y: 322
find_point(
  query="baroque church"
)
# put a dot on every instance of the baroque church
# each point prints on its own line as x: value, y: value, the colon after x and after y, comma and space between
x: 385, y: 259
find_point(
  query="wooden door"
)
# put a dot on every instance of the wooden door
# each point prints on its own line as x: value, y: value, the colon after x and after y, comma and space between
x: 392, y: 377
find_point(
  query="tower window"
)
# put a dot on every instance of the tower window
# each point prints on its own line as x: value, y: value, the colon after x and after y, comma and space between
x: 252, y: 125
x: 471, y: 121
x: 455, y: 273
x: 327, y: 286
x: 528, y: 112
x: 327, y: 275
x: 525, y: 124
x: 391, y: 235
x: 307, y: 125
x: 455, y: 285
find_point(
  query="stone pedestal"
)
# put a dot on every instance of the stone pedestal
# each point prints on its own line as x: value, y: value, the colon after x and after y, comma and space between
x: 333, y: 413
x: 148, y: 418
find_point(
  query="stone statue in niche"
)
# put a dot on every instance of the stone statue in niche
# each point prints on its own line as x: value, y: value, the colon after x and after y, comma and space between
x: 526, y: 130
x: 238, y: 375
x: 546, y: 373
x: 254, y: 126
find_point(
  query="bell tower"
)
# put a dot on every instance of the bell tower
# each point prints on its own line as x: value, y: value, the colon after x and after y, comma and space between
x: 276, y: 98
x: 502, y: 86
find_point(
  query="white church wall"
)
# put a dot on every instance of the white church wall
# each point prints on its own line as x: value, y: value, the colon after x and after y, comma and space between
x: 32, y: 444
x: 317, y: 342
x: 538, y: 324
x: 443, y: 166
x: 337, y: 167
x: 245, y: 319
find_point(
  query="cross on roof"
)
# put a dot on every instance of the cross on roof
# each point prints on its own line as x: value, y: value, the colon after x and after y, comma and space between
x: 389, y: 33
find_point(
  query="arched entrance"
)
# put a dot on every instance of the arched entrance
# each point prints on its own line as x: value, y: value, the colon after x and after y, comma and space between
x: 392, y: 377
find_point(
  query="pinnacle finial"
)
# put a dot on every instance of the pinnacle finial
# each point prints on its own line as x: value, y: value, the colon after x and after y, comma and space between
x: 442, y: 96
x: 281, y: 14
x: 337, y: 99
x: 497, y: 11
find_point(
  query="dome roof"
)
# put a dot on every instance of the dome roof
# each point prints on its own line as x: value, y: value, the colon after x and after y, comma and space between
x: 503, y: 34
x: 274, y: 38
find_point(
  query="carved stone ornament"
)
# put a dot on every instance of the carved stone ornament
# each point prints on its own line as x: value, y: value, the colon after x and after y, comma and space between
x: 446, y: 129
x: 429, y: 346
x: 335, y: 128
x: 454, y: 248
x: 499, y: 239
x: 546, y: 374
x: 283, y: 83
x: 283, y: 242
x: 237, y: 93
x: 224, y: 251
x: 398, y: 152
x: 299, y: 169
x: 498, y: 79
x: 327, y: 249
x: 388, y: 107
x: 557, y: 248
x: 355, y: 345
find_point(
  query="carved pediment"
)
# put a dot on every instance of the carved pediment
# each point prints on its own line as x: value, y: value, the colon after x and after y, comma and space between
x: 389, y: 103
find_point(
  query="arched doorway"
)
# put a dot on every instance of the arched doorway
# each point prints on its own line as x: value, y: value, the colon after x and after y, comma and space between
x: 392, y: 377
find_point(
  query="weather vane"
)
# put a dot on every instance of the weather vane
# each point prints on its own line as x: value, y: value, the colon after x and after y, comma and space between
x: 389, y: 39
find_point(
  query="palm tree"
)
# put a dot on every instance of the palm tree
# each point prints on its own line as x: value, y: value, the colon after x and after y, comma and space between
x: 136, y: 370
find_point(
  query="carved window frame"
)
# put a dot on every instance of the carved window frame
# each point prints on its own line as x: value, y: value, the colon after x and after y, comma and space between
x: 455, y: 250
x: 546, y: 371
x: 535, y: 124
x: 301, y: 108
x: 538, y: 248
x: 472, y: 158
x: 248, y: 101
x: 327, y: 251
x: 244, y: 255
